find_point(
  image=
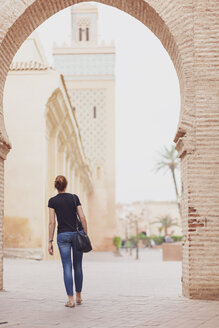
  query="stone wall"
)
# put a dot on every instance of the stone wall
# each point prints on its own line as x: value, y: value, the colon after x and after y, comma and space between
x: 188, y: 29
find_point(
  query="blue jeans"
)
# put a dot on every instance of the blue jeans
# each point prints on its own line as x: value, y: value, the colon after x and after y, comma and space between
x: 67, y: 241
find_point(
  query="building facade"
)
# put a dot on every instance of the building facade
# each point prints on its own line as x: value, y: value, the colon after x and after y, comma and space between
x: 88, y: 69
x: 46, y: 140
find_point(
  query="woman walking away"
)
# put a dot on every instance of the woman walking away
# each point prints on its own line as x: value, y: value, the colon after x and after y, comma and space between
x: 66, y: 206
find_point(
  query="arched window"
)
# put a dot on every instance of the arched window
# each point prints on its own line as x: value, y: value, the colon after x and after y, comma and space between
x: 87, y: 34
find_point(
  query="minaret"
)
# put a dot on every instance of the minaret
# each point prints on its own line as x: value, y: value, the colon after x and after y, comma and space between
x: 88, y: 68
x: 84, y: 24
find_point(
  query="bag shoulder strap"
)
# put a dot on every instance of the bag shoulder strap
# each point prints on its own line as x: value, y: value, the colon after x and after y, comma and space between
x: 76, y: 213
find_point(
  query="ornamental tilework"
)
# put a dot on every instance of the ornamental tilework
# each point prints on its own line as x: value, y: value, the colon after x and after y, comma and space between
x: 90, y: 105
x: 85, y: 65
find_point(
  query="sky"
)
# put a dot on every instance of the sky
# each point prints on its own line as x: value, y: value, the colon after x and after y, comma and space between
x: 147, y: 100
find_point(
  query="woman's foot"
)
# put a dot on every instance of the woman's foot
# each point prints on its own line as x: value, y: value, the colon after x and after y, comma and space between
x: 70, y: 302
x: 78, y: 298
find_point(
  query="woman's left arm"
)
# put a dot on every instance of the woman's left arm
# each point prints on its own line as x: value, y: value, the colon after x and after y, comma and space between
x: 52, y: 225
x: 82, y: 218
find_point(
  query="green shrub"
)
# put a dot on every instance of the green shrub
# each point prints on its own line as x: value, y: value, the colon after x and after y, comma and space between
x: 145, y: 239
x: 128, y: 244
x: 157, y: 239
x: 142, y: 236
x: 177, y: 238
x: 117, y: 241
x: 133, y: 240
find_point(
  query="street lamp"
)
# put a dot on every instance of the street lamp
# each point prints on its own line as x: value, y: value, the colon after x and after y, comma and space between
x: 136, y: 219
x: 132, y: 217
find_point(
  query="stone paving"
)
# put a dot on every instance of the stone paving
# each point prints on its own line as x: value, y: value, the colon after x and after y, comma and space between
x: 118, y: 292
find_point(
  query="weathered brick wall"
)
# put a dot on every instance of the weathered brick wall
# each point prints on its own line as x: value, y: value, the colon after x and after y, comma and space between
x: 203, y: 198
x: 188, y: 29
x: 200, y: 166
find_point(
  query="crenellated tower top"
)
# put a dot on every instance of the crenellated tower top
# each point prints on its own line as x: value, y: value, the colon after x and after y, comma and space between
x: 84, y: 24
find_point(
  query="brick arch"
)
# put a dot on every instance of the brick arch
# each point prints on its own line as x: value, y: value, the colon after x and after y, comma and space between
x: 185, y: 29
x: 21, y: 18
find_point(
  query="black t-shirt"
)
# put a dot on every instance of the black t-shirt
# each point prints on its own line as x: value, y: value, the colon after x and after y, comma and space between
x: 66, y: 211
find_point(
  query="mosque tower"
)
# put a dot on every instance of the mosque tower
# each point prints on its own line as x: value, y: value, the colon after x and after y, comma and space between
x: 88, y: 69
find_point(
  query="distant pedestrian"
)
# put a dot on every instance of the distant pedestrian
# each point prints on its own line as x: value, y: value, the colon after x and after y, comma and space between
x: 123, y: 243
x: 152, y: 242
x: 66, y: 206
x: 168, y: 239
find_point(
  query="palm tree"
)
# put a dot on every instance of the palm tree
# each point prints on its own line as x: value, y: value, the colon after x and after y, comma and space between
x: 170, y: 161
x: 165, y: 222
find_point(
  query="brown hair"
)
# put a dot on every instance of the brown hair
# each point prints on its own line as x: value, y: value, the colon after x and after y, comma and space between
x: 60, y: 182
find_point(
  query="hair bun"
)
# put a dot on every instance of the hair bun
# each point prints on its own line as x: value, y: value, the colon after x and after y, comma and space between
x: 61, y: 182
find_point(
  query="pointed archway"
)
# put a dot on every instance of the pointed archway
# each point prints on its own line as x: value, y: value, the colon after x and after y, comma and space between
x: 179, y: 26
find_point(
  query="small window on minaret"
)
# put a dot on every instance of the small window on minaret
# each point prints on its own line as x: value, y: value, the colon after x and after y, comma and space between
x: 80, y: 34
x: 87, y: 34
x: 98, y: 172
x: 95, y: 112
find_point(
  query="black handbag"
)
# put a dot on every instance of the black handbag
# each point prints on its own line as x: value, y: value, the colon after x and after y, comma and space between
x: 83, y: 243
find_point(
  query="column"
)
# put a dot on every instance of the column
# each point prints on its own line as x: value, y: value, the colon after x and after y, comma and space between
x: 79, y: 185
x: 3, y: 153
x: 85, y: 205
x: 67, y: 172
x: 72, y: 177
x: 76, y: 182
x: 61, y: 160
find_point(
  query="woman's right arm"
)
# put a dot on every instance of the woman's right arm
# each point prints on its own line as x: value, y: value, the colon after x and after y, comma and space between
x: 82, y: 218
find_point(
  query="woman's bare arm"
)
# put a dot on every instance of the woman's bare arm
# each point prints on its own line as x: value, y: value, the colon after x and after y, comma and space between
x: 52, y: 225
x: 82, y: 218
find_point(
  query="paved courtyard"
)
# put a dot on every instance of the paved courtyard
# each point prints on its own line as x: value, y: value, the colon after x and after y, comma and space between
x: 118, y: 292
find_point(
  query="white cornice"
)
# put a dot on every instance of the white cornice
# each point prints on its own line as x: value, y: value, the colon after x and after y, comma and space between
x: 83, y: 50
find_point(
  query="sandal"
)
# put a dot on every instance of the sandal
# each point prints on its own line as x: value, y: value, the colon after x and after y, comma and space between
x: 70, y: 304
x: 79, y: 302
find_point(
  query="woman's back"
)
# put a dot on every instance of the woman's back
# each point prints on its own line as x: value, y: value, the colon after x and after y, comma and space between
x: 64, y: 205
